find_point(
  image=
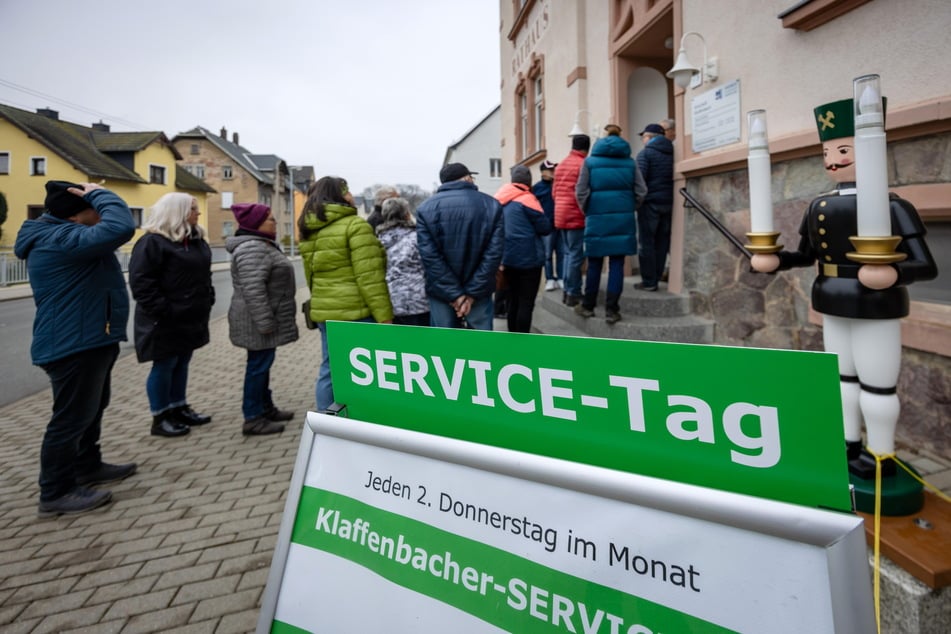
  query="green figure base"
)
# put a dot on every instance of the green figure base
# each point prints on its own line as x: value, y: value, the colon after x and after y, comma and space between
x: 901, y: 494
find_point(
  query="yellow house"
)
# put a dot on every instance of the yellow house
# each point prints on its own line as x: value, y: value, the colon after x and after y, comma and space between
x: 36, y: 147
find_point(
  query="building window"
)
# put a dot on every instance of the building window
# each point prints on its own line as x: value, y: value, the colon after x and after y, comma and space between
x: 136, y: 215
x: 34, y: 211
x: 227, y: 172
x: 194, y: 148
x: 4, y: 162
x: 157, y: 174
x: 530, y: 102
x: 523, y: 124
x: 196, y: 170
x: 37, y: 166
x: 227, y: 199
x: 495, y: 168
x: 227, y: 229
x: 539, y: 113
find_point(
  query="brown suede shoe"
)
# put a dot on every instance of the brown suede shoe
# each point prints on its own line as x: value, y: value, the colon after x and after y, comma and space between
x: 261, y: 426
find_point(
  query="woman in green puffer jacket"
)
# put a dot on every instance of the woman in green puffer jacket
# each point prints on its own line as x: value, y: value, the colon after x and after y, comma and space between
x: 345, y: 268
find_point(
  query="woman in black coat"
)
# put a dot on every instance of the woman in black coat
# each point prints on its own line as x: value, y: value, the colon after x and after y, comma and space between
x: 170, y: 278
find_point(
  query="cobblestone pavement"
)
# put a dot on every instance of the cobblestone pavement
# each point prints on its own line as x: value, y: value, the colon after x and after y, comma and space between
x: 187, y: 543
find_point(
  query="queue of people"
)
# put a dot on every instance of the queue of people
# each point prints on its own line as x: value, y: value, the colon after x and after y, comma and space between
x: 439, y: 268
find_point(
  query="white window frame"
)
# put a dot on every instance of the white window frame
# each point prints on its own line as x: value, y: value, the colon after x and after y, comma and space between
x: 227, y: 172
x: 154, y: 166
x: 37, y: 161
x: 227, y: 228
x: 195, y: 149
x: 495, y: 168
x: 523, y: 121
x: 539, y: 88
x: 137, y: 215
x: 196, y: 169
x: 7, y: 156
x: 227, y: 199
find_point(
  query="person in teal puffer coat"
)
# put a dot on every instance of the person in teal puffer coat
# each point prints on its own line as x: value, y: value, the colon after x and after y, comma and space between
x: 345, y: 268
x: 610, y: 188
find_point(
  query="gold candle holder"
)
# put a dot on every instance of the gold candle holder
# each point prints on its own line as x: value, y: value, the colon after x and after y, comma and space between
x: 763, y: 242
x: 875, y: 250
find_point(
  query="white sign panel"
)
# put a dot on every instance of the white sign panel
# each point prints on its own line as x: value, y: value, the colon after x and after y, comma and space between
x: 393, y: 530
x: 716, y: 117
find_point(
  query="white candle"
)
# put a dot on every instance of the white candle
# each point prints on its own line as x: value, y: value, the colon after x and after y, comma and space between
x: 761, y: 197
x: 871, y: 166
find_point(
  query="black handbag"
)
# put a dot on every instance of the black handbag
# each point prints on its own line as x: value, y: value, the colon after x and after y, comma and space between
x: 310, y: 323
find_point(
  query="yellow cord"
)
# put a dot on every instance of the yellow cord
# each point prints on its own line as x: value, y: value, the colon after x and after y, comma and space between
x: 876, y: 583
x: 876, y: 542
x: 922, y: 481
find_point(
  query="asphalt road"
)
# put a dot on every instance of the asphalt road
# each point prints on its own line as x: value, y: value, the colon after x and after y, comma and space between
x: 20, y: 378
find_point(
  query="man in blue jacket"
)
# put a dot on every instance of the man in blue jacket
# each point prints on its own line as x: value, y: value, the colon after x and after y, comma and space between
x: 459, y: 233
x: 656, y: 162
x: 81, y: 311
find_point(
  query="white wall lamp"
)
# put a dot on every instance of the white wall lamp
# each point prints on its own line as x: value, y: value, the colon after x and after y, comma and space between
x: 684, y: 73
x: 576, y: 129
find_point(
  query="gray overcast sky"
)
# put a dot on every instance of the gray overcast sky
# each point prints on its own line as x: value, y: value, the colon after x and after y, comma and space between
x: 371, y: 90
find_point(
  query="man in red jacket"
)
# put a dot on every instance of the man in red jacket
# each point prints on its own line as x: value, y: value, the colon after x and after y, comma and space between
x: 569, y: 218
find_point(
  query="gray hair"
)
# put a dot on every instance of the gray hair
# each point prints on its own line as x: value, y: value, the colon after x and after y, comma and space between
x: 169, y: 217
x: 396, y: 213
x: 384, y: 192
x: 668, y: 124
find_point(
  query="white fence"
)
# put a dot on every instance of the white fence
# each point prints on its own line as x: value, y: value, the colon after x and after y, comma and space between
x: 12, y: 269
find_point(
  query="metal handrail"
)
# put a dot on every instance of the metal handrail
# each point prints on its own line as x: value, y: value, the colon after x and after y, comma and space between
x: 719, y: 226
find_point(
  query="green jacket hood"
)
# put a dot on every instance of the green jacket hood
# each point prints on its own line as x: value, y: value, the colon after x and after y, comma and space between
x: 333, y: 212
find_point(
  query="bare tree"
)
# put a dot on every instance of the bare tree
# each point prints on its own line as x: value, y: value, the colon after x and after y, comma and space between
x: 412, y: 193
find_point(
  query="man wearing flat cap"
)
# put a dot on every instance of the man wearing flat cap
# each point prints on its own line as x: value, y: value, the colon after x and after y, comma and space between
x: 459, y: 232
x: 656, y: 163
x: 81, y: 311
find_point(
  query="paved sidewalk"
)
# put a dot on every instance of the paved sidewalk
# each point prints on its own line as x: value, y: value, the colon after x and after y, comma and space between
x: 187, y: 543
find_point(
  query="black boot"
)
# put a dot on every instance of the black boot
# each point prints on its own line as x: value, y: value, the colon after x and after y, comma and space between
x: 278, y: 415
x: 187, y: 416
x: 612, y: 311
x: 165, y: 425
x: 864, y: 466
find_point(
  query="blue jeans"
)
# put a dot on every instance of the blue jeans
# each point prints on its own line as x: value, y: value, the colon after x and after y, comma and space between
x: 324, y: 389
x: 257, y: 380
x: 653, y: 233
x: 553, y: 245
x: 81, y: 390
x: 573, y: 240
x: 592, y: 281
x: 480, y: 316
x: 167, y: 382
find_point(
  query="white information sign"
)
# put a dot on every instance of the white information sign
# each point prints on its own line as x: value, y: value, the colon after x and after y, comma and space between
x: 716, y: 117
x: 393, y: 530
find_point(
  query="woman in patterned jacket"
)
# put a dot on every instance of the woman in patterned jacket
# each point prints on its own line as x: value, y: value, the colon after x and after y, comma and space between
x: 405, y: 277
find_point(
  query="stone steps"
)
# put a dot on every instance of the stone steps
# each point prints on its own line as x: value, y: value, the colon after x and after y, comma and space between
x: 645, y: 316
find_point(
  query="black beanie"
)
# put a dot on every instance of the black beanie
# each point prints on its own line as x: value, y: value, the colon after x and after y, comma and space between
x: 61, y: 203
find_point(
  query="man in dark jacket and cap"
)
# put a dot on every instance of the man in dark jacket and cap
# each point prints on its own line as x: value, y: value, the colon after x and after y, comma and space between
x: 82, y: 307
x: 656, y: 162
x: 459, y: 233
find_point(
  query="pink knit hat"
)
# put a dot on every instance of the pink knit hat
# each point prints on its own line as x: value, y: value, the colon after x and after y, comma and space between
x: 250, y: 215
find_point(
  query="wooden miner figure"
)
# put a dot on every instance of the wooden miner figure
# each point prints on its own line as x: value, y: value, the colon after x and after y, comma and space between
x: 860, y: 286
